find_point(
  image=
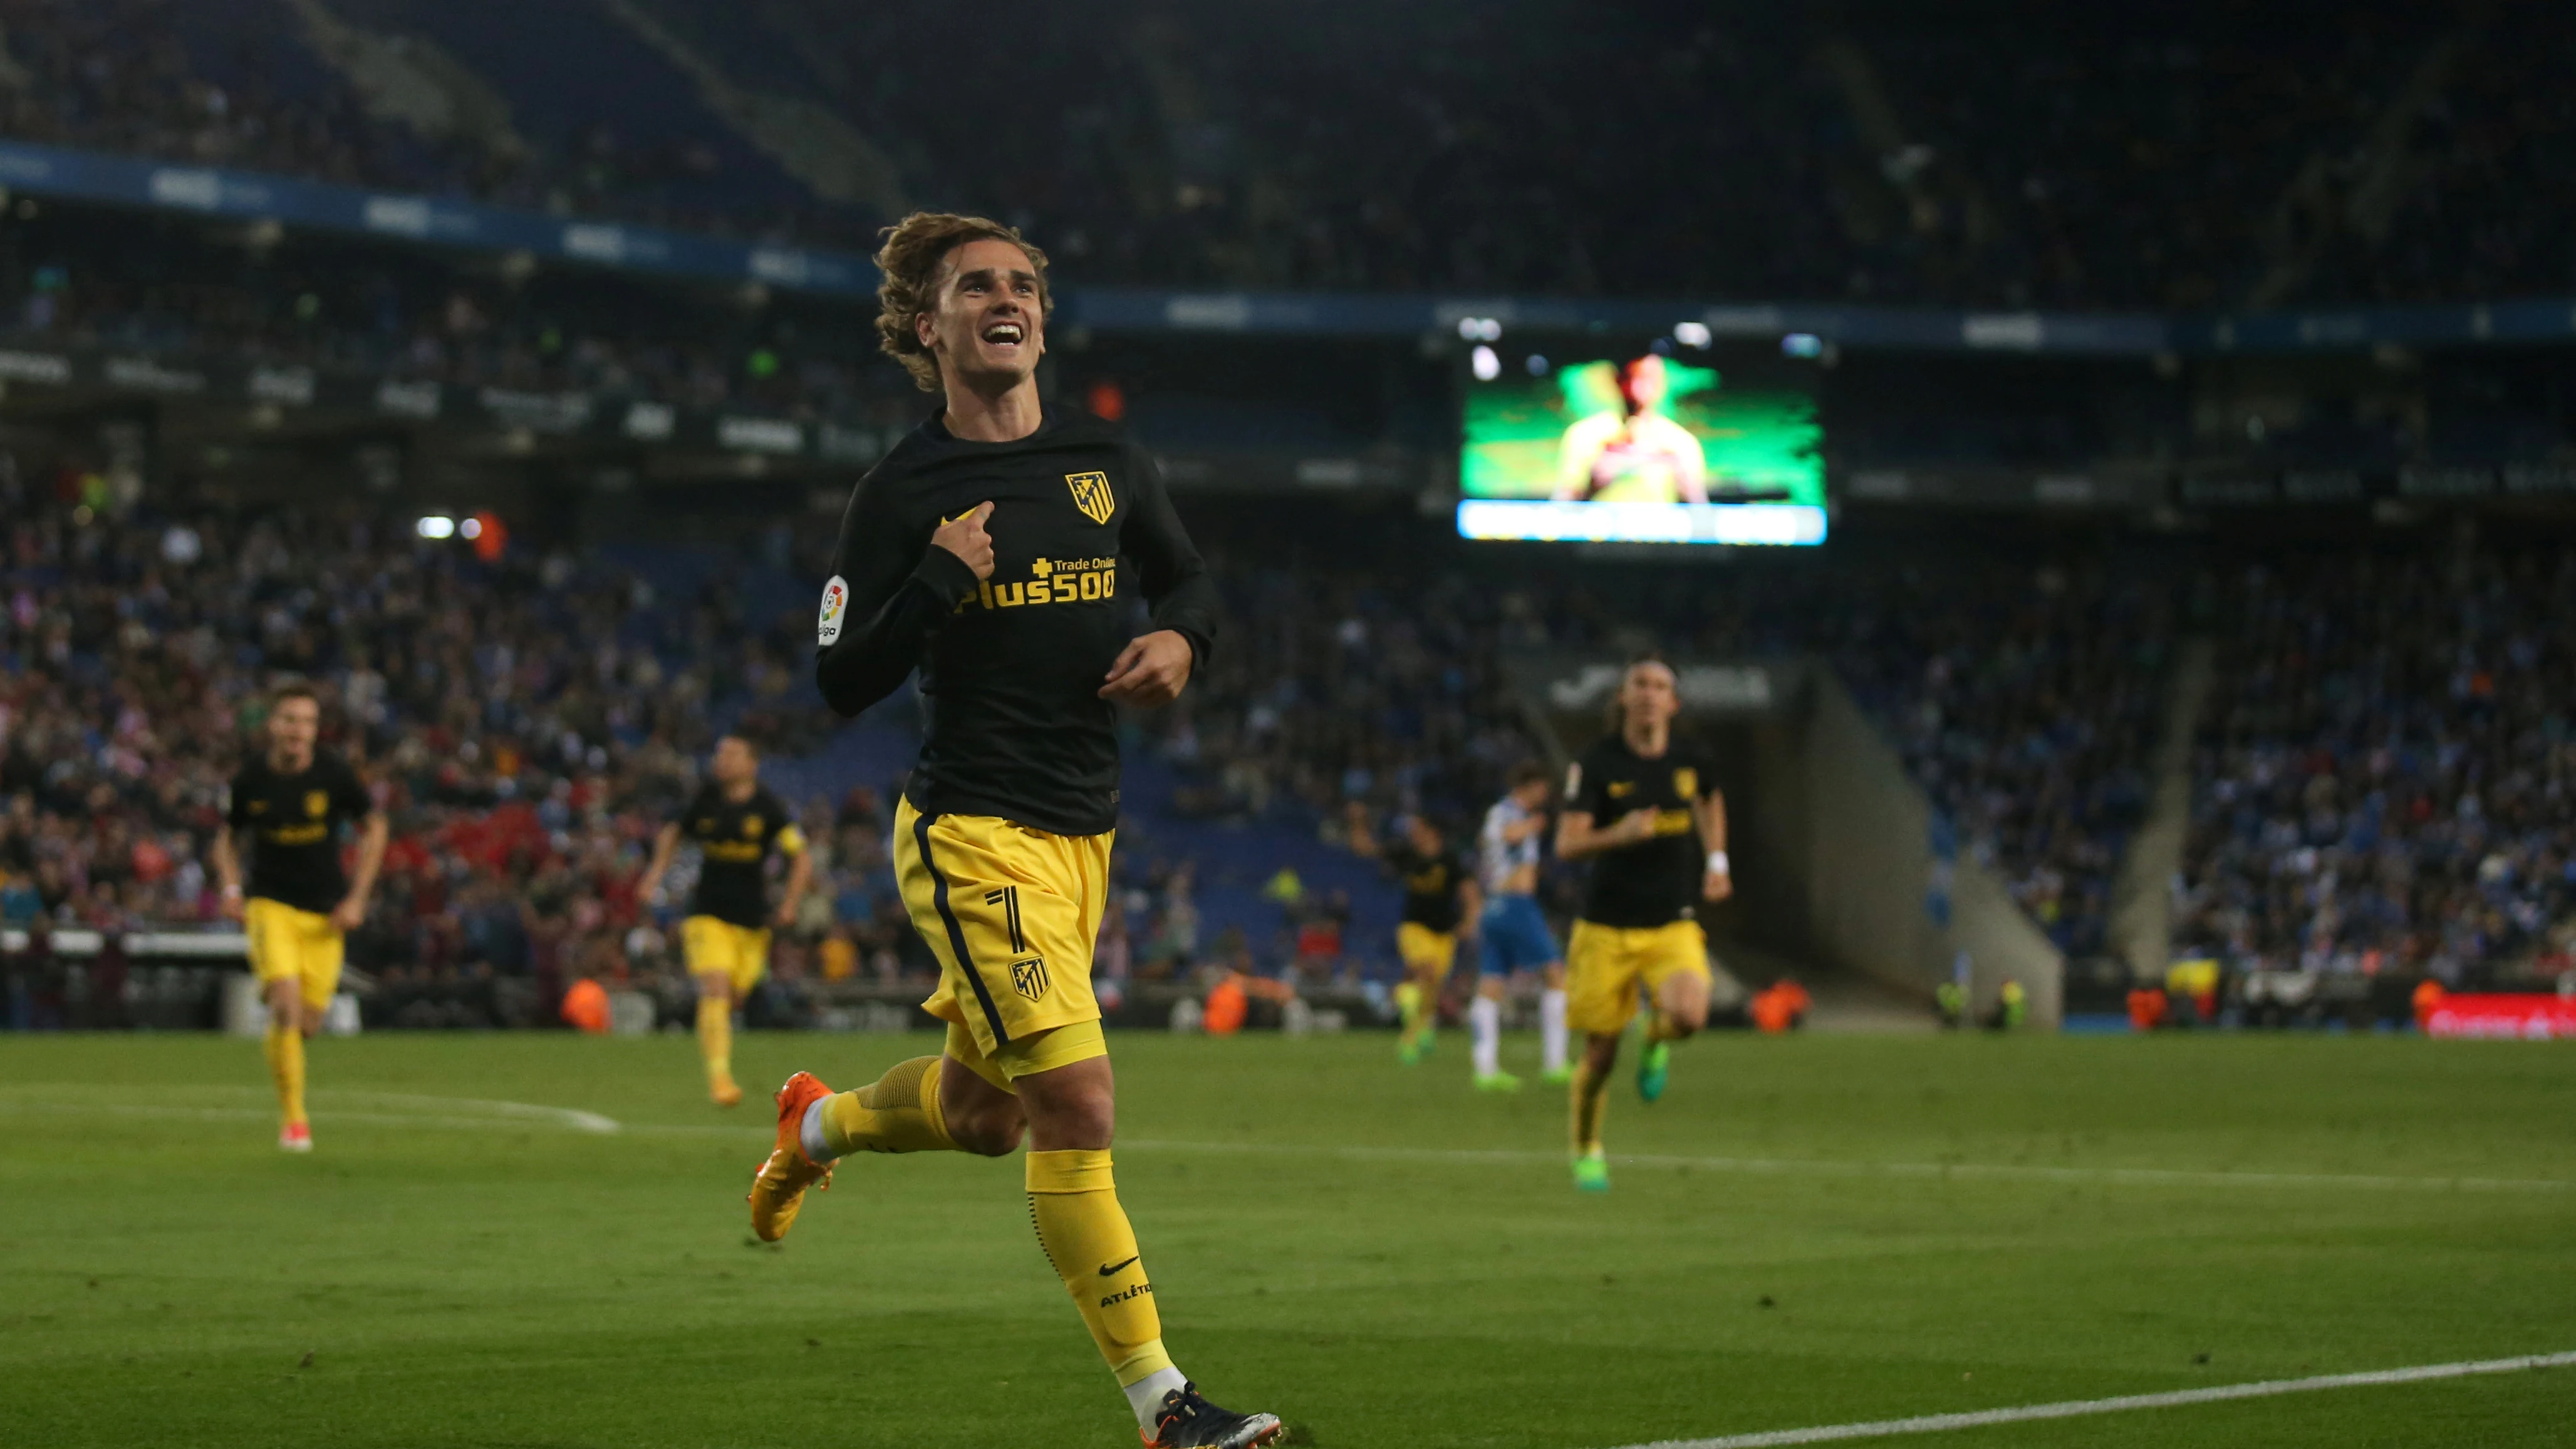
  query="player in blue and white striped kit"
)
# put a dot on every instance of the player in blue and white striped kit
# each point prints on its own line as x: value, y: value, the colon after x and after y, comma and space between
x: 1513, y: 932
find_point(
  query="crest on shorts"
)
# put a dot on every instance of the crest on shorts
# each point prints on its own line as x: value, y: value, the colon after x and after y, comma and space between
x: 1091, y: 495
x: 1686, y: 783
x: 317, y: 803
x: 1029, y: 977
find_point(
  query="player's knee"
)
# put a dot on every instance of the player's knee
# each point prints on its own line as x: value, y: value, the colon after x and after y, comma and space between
x: 1080, y: 1115
x: 990, y: 1132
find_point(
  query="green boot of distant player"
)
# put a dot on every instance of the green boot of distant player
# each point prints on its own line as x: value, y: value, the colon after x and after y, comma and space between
x: 1591, y: 1171
x: 1420, y: 1030
x: 1497, y: 1082
x: 1654, y: 1069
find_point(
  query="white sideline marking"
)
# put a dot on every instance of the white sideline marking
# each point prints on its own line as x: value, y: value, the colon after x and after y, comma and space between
x: 492, y: 1113
x: 2079, y: 1408
x: 1819, y: 1167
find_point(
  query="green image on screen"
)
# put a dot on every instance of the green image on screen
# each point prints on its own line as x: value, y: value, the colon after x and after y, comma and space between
x: 1522, y: 433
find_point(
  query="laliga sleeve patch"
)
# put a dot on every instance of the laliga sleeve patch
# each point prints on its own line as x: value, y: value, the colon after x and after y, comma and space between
x: 836, y: 602
x: 1574, y: 780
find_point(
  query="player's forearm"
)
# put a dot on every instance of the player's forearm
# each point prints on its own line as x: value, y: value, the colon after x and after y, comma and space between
x: 227, y: 863
x: 1712, y: 822
x: 371, y: 859
x: 1190, y: 610
x: 871, y: 657
x: 1178, y: 591
x: 1581, y: 842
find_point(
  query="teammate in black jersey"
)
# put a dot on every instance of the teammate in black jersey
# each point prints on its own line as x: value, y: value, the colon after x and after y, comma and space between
x: 1646, y: 811
x: 1000, y: 550
x: 291, y: 802
x: 737, y: 823
x: 1439, y: 894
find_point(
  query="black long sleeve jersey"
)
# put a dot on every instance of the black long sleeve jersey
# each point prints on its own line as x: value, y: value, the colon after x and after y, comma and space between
x: 1011, y: 666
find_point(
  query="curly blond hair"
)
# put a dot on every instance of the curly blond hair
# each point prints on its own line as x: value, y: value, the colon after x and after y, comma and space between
x: 909, y: 266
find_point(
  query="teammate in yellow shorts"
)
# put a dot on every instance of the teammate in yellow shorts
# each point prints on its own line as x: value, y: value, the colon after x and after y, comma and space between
x: 1439, y: 895
x: 737, y: 824
x: 291, y: 802
x: 990, y: 550
x: 1647, y: 813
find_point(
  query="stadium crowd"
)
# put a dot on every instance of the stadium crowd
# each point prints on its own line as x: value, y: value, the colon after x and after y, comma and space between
x: 92, y: 282
x: 2191, y: 161
x: 2383, y: 774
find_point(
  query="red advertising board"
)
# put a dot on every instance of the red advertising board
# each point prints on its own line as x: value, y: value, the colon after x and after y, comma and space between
x: 2504, y: 1017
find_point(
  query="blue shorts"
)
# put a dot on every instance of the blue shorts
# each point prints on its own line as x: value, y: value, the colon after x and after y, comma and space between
x: 1515, y: 937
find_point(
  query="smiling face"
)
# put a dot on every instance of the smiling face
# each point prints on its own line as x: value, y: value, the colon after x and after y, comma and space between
x: 986, y: 326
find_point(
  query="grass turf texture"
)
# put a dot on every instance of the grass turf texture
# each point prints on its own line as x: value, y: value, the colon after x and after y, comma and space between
x: 165, y: 1272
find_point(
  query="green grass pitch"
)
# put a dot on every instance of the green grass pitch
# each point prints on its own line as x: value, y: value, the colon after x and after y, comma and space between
x: 1379, y: 1255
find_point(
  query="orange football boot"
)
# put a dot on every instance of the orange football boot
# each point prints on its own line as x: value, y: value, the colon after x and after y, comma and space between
x: 778, y: 1189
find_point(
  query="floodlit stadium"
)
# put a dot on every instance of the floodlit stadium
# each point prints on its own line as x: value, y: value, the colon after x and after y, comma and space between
x: 1638, y: 727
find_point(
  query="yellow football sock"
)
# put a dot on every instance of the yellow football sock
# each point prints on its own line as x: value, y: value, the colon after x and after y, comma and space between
x: 715, y: 1038
x: 1590, y: 1102
x: 285, y: 1050
x: 1074, y: 1203
x: 899, y: 1112
x: 1660, y: 1026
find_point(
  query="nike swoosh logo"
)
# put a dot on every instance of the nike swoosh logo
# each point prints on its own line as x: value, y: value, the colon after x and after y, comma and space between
x: 1112, y: 1270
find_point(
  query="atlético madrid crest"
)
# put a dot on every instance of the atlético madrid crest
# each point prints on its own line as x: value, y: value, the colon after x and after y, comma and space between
x: 1091, y: 495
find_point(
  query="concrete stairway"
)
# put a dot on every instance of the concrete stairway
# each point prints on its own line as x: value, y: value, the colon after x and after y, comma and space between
x: 2141, y: 928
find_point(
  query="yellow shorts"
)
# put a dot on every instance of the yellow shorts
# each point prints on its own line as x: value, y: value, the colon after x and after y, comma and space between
x: 1425, y: 952
x: 1011, y: 912
x: 291, y: 945
x: 740, y: 952
x: 1605, y: 966
x: 1059, y: 1046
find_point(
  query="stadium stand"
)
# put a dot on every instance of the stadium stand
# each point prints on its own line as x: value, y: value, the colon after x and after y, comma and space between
x: 2193, y: 162
x: 2382, y: 775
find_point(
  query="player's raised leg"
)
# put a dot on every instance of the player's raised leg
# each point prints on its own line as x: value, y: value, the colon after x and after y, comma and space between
x: 954, y: 1102
x: 1677, y: 980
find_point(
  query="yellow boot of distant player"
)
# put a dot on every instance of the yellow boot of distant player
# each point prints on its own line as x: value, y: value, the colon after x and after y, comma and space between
x: 715, y: 1045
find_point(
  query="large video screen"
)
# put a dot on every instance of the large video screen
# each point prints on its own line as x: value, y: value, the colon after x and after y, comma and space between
x: 1589, y: 440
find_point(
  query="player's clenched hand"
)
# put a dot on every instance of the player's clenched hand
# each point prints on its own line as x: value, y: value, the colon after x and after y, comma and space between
x: 1150, y: 670
x: 1717, y: 886
x: 349, y: 915
x: 965, y: 537
x: 1636, y: 825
